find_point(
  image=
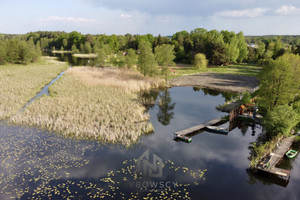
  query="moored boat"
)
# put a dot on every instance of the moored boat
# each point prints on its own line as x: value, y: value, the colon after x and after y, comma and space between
x: 217, y: 129
x: 183, y: 138
x: 291, y: 153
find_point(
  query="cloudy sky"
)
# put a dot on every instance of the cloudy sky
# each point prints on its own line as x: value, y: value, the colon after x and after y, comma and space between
x: 253, y: 17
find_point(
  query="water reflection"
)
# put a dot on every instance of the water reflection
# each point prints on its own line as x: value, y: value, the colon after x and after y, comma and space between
x: 227, y: 95
x: 38, y: 164
x: 74, y: 61
x: 148, y: 98
x: 166, y: 107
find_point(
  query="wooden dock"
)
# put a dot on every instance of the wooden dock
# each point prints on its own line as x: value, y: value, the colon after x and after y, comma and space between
x: 199, y: 127
x: 269, y: 164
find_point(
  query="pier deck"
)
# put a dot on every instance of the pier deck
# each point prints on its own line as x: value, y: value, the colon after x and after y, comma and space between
x: 275, y: 157
x: 199, y: 127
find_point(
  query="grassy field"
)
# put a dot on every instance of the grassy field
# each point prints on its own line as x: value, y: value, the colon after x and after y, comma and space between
x: 19, y: 83
x: 240, y: 69
x: 93, y: 103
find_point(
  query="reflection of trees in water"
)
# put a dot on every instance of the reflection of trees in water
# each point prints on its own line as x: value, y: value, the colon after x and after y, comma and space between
x: 148, y: 98
x: 74, y: 60
x: 244, y: 129
x: 227, y: 95
x: 165, y: 105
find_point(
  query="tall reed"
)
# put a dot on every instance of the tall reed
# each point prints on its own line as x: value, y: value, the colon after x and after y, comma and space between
x: 19, y: 83
x: 94, y: 103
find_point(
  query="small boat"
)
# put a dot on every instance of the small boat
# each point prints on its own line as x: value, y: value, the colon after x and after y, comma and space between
x: 217, y: 129
x: 183, y: 138
x: 291, y: 153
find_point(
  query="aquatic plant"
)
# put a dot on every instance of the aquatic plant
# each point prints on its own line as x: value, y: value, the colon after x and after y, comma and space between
x: 19, y: 83
x: 38, y: 165
x: 93, y: 103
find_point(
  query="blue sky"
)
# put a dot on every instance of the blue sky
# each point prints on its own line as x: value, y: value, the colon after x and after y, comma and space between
x: 253, y: 17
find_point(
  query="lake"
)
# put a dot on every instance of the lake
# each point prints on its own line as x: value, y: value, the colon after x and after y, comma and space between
x: 74, y: 61
x: 38, y: 164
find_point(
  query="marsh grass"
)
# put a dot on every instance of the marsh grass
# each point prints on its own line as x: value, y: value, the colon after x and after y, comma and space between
x: 19, y: 83
x: 93, y: 103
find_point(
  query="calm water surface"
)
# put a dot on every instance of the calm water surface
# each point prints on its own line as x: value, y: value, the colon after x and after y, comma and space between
x: 73, y: 61
x: 38, y: 164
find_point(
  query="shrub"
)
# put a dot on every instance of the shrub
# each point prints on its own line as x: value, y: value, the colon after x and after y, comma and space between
x: 200, y: 61
x: 281, y: 120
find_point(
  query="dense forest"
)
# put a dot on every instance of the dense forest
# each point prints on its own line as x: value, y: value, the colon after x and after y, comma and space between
x: 219, y: 47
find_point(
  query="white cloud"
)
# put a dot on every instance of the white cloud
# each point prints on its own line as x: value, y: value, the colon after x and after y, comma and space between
x: 67, y: 19
x: 252, y: 13
x: 288, y: 10
x: 125, y: 16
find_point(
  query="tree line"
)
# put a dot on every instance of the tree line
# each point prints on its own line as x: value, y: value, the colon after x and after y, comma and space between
x: 279, y: 94
x: 18, y: 51
x: 199, y: 46
x: 219, y: 47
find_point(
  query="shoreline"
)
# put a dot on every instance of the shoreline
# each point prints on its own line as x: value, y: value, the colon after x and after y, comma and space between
x: 91, y: 55
x: 217, y: 81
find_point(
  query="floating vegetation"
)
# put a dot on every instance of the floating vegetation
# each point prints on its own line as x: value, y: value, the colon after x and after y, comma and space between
x: 31, y: 158
x: 126, y: 183
x: 99, y: 104
x: 38, y: 165
x: 19, y: 83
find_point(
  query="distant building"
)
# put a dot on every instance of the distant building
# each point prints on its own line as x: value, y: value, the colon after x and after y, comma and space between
x: 252, y: 45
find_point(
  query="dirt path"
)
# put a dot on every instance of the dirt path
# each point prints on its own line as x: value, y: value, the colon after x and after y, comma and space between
x: 225, y: 82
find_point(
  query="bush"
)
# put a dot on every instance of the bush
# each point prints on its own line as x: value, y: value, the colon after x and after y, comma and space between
x: 200, y: 61
x: 281, y: 120
x: 246, y: 98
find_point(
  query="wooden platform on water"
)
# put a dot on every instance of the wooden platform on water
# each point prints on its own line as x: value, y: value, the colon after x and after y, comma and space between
x: 275, y: 157
x: 199, y: 127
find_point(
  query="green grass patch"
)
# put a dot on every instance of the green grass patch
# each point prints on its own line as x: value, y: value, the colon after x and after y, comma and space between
x: 239, y: 69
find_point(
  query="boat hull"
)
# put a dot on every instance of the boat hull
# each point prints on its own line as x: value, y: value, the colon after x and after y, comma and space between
x: 217, y: 129
x: 183, y: 138
x: 291, y: 153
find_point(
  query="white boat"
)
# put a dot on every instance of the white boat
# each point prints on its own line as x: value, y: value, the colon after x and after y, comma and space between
x: 217, y: 129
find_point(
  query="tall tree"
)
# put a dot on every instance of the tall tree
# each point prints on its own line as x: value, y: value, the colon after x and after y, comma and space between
x: 242, y: 46
x: 74, y: 49
x: 279, y: 81
x: 2, y: 53
x: 130, y: 58
x: 102, y: 56
x: 281, y: 120
x: 12, y: 49
x: 65, y: 43
x: 164, y: 55
x: 261, y: 49
x: 146, y: 61
x: 87, y: 48
x: 278, y: 50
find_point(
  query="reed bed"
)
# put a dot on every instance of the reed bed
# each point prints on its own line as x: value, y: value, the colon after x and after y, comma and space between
x: 19, y: 83
x: 93, y: 103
